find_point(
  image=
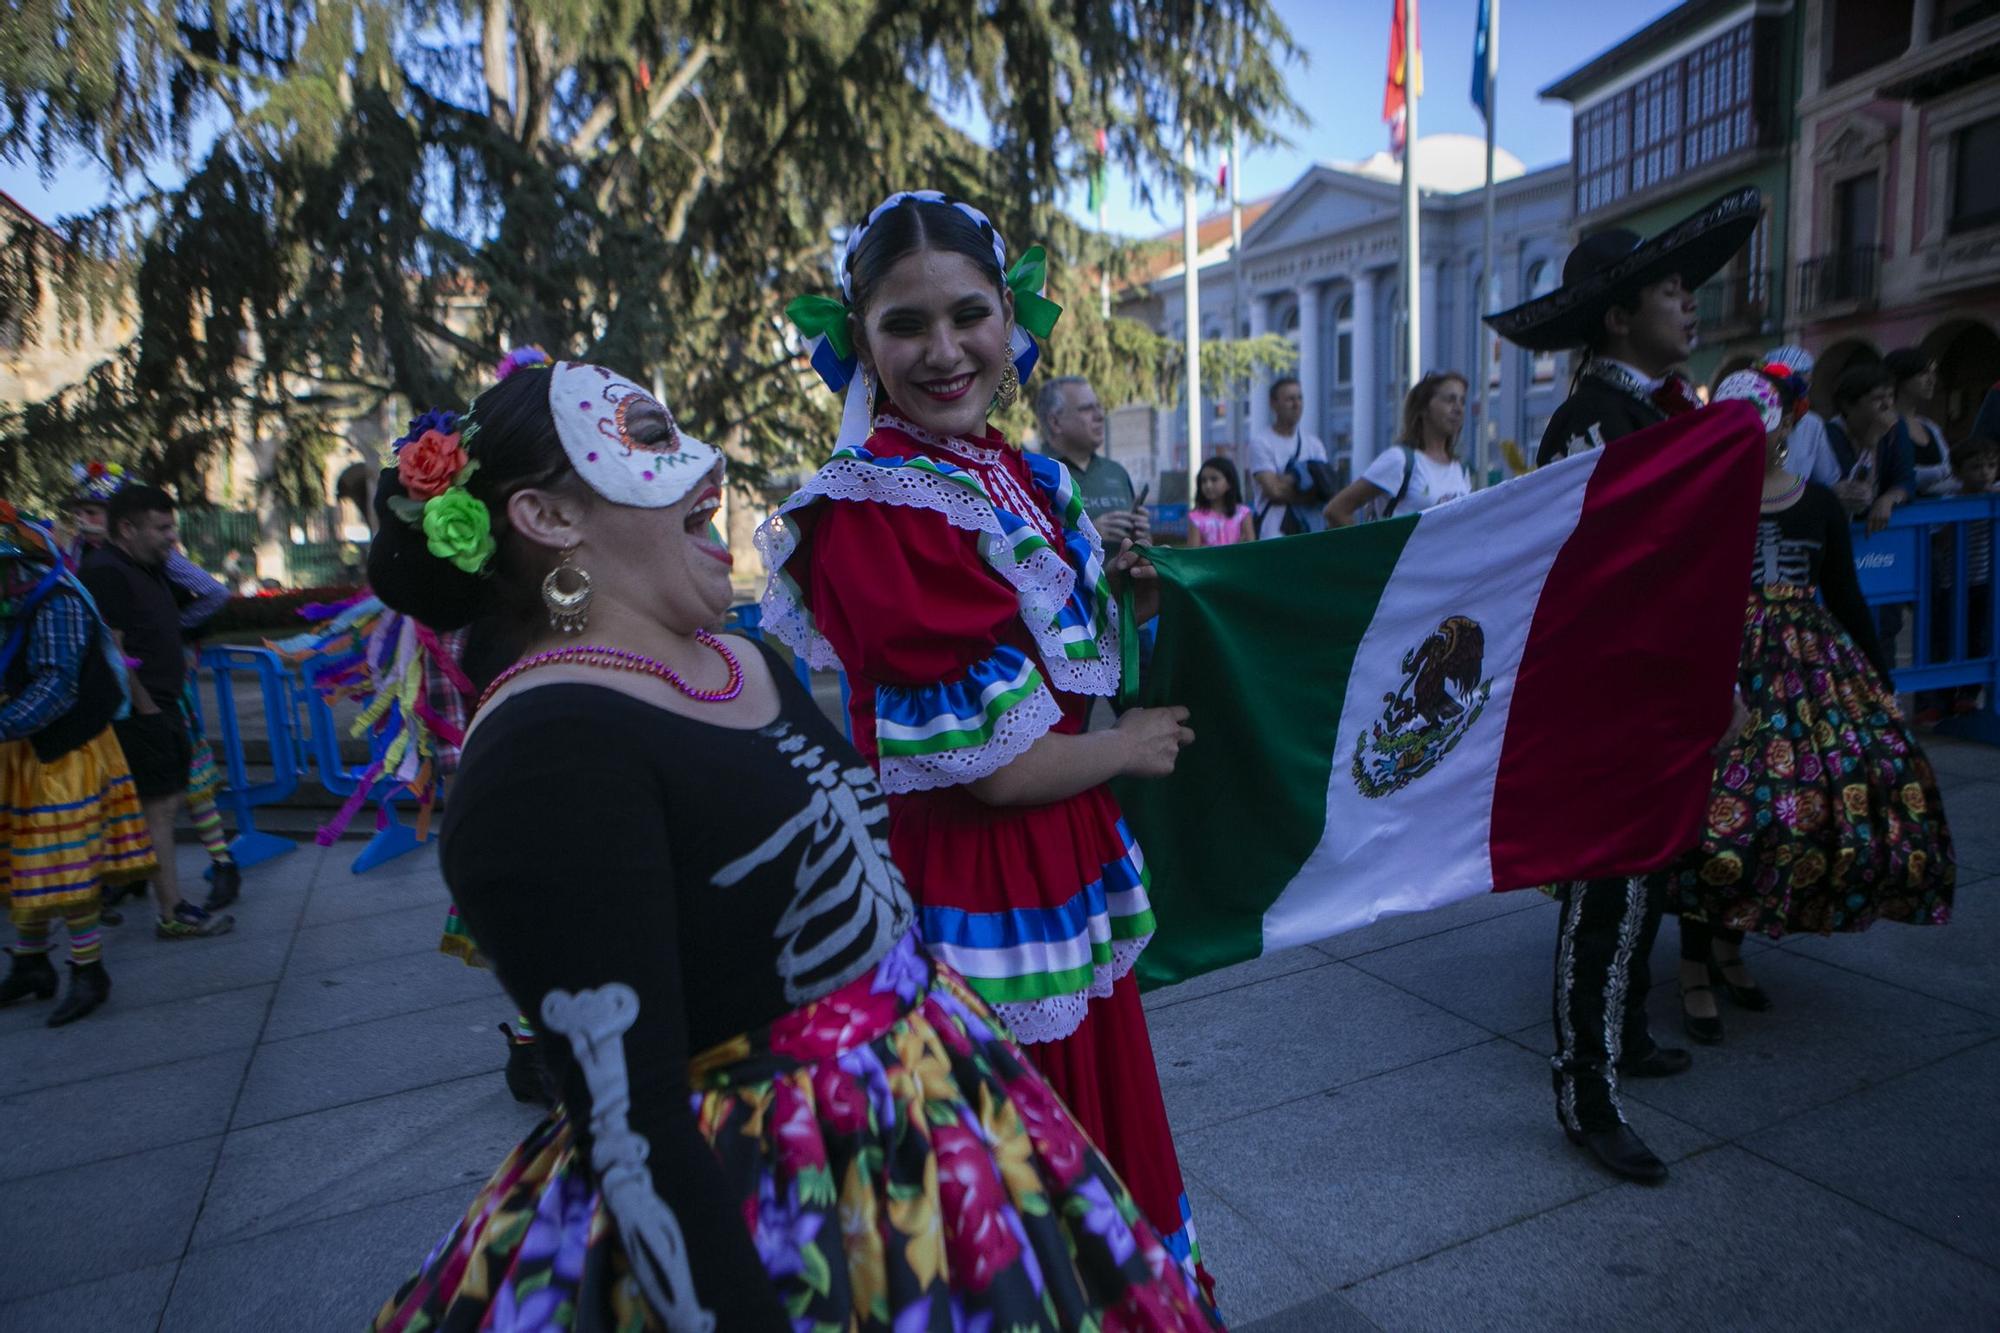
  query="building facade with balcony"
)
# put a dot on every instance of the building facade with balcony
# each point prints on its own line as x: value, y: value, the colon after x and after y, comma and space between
x: 1319, y: 265
x: 1694, y: 105
x: 1896, y: 187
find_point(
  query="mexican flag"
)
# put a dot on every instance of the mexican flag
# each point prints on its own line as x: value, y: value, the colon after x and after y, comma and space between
x: 1520, y: 687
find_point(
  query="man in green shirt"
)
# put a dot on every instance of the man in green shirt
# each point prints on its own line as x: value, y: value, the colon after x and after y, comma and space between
x: 1072, y: 422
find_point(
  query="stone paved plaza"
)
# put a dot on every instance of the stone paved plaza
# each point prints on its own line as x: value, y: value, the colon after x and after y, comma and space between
x: 269, y: 1130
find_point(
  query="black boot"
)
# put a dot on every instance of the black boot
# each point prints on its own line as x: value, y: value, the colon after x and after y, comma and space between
x: 89, y: 986
x: 1622, y: 1151
x: 225, y: 880
x: 30, y: 975
x: 526, y: 1078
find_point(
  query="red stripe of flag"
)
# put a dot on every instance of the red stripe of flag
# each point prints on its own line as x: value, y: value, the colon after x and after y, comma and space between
x: 1620, y: 762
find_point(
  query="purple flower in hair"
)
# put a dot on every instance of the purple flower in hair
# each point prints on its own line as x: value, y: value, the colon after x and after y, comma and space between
x: 520, y: 359
x: 442, y: 420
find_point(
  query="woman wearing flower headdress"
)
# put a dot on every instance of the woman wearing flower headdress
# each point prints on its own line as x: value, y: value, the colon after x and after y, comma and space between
x: 777, y: 1111
x: 959, y: 583
x: 1825, y: 815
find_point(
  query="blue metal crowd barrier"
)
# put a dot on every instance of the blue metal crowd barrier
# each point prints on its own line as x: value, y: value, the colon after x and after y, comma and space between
x: 392, y: 837
x: 251, y: 846
x: 1924, y: 560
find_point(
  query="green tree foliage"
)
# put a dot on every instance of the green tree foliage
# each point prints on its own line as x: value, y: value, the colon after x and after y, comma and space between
x: 379, y: 197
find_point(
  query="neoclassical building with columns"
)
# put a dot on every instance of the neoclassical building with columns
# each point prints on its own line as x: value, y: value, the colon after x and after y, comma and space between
x: 1319, y: 264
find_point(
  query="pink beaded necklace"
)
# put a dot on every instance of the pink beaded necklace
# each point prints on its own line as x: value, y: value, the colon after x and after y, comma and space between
x: 620, y: 659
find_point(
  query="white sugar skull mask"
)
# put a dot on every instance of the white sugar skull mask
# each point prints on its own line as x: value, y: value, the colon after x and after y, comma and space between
x: 622, y: 440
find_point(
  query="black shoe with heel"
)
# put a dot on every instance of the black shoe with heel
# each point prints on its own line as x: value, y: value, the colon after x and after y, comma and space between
x: 1707, y: 1031
x: 1752, y: 997
x: 89, y: 987
x: 30, y: 975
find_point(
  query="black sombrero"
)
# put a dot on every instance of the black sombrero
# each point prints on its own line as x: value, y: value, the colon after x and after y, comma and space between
x: 1614, y: 264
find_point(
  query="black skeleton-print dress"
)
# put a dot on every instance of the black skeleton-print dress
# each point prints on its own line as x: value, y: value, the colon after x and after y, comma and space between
x: 777, y: 1111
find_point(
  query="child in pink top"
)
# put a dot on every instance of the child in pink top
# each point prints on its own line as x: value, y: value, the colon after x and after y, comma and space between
x: 1218, y: 516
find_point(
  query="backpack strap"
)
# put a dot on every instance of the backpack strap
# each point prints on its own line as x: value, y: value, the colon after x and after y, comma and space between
x: 1409, y: 467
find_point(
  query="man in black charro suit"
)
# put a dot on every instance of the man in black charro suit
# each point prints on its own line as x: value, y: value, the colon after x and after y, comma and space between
x: 1628, y: 303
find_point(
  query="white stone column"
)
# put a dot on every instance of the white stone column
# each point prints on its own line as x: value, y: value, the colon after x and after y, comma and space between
x: 1260, y: 378
x: 1366, y: 387
x: 1432, y: 332
x: 1309, y: 380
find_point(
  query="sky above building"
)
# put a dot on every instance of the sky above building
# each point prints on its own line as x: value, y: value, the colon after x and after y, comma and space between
x: 1338, y: 84
x: 1339, y: 87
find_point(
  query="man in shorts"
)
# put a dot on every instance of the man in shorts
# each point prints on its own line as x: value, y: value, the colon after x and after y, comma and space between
x: 127, y: 577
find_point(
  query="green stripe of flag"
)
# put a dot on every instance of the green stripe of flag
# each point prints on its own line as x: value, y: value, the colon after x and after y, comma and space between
x: 1264, y: 635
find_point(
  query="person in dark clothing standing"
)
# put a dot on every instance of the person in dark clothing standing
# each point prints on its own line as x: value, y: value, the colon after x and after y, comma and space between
x: 127, y: 577
x: 1628, y: 303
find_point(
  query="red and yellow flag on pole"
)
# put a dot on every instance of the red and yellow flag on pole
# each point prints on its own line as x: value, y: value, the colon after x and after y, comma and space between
x: 1394, y: 102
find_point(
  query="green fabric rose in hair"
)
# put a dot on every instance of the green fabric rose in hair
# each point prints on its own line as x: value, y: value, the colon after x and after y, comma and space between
x: 456, y: 528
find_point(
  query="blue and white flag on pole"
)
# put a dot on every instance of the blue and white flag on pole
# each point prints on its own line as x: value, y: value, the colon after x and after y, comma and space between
x: 1480, y: 43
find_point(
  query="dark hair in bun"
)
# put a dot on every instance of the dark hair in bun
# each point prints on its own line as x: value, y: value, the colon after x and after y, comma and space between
x: 917, y: 224
x: 516, y: 448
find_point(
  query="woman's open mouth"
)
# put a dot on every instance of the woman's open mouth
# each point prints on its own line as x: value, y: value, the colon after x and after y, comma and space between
x: 701, y: 532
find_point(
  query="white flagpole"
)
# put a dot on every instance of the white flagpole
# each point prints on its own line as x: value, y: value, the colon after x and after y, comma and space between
x: 1191, y: 298
x: 1238, y: 430
x: 1412, y: 260
x: 1490, y: 296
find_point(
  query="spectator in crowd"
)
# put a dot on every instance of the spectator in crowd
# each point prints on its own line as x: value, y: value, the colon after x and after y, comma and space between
x: 1072, y: 422
x: 1807, y: 453
x: 1916, y: 385
x: 1278, y: 461
x: 1218, y: 516
x: 1423, y: 470
x: 69, y: 819
x: 127, y: 576
x: 1874, y: 460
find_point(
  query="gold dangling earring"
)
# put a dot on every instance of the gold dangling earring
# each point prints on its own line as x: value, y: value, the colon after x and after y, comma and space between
x: 569, y: 611
x: 1010, y: 387
x: 868, y: 386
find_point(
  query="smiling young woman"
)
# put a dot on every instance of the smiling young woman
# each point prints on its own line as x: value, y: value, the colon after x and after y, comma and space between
x: 969, y: 598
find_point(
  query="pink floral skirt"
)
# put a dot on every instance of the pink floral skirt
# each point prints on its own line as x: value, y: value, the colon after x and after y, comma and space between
x: 897, y: 1162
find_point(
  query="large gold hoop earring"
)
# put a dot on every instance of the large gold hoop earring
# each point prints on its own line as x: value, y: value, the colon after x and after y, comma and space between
x: 569, y: 610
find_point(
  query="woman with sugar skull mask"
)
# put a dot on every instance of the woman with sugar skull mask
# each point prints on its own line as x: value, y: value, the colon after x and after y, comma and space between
x: 776, y: 1108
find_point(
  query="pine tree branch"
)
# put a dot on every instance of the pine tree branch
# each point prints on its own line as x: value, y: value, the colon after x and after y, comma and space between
x: 606, y: 110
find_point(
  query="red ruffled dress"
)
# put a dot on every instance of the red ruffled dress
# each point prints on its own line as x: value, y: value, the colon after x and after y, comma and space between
x: 962, y: 589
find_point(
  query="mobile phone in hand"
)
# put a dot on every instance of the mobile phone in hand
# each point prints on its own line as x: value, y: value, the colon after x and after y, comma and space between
x: 1140, y: 503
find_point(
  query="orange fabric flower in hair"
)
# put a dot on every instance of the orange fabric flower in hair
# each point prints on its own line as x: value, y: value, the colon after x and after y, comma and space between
x: 428, y: 464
